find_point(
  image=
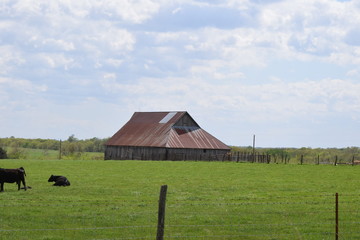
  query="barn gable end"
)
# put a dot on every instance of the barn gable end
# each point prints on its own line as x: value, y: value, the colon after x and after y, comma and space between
x: 186, y: 121
x: 164, y: 136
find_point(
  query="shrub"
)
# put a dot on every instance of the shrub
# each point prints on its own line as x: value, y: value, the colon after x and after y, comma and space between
x: 3, y: 154
x: 16, y: 153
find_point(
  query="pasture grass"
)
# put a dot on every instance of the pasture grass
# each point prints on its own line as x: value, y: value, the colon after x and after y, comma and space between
x: 205, y: 200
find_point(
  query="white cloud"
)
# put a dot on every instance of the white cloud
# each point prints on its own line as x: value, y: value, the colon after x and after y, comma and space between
x: 115, y: 62
x: 132, y: 11
x: 276, y: 100
x: 307, y: 31
x: 59, y: 44
x: 215, y: 70
x: 352, y: 72
x: 10, y: 58
x: 25, y: 86
x: 57, y: 60
x: 176, y: 10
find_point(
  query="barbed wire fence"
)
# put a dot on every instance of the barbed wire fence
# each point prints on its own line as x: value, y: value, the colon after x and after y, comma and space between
x: 257, y: 157
x: 311, y: 216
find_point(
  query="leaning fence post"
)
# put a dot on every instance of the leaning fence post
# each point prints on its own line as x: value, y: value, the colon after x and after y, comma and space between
x: 336, y: 216
x: 161, y: 213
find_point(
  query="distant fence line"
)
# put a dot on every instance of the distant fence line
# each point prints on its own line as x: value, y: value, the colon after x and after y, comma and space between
x: 253, y: 157
x: 249, y: 157
x: 256, y: 157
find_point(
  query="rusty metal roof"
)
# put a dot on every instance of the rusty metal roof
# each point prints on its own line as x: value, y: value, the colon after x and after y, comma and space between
x: 164, y: 129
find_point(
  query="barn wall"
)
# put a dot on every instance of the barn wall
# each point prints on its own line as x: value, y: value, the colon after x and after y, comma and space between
x: 174, y: 154
x: 178, y: 154
x: 134, y: 153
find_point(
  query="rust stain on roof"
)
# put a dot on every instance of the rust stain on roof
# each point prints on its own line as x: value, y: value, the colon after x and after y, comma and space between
x: 164, y: 129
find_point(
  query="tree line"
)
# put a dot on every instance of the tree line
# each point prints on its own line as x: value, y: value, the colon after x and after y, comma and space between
x: 13, y: 147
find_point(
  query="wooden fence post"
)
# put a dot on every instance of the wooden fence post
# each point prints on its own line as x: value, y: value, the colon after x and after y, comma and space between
x: 253, y: 153
x: 60, y: 150
x: 336, y: 216
x: 161, y: 213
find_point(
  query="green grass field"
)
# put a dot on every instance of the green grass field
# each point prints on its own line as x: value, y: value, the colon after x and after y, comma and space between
x: 205, y: 200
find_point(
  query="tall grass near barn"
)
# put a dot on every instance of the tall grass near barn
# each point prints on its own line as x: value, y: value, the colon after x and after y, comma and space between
x: 205, y: 200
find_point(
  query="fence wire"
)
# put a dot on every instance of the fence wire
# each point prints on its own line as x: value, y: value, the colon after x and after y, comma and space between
x: 289, y: 217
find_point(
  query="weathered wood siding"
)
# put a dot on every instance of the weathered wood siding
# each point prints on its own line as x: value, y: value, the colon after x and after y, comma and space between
x: 186, y: 121
x: 153, y: 153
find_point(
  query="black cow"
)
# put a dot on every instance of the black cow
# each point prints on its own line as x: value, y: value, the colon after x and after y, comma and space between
x: 59, y: 180
x: 12, y: 175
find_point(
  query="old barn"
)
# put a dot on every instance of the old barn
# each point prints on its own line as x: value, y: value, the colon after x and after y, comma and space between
x: 164, y: 136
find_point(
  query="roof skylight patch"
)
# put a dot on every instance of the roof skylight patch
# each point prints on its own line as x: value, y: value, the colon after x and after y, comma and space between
x: 167, y: 118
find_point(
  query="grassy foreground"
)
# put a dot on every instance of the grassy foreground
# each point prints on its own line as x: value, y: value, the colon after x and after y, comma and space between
x: 205, y: 200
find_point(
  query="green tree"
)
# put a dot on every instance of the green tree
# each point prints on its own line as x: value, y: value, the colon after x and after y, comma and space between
x: 3, y: 154
x: 72, y: 138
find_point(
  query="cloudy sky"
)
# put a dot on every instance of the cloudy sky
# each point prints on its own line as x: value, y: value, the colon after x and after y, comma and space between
x: 287, y: 71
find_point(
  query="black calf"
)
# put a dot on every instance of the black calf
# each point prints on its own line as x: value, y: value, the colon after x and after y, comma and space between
x: 59, y: 180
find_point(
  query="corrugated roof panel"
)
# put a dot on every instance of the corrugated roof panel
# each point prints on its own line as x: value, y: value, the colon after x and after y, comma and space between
x: 190, y: 137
